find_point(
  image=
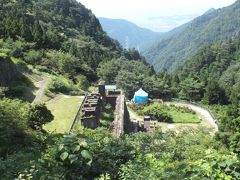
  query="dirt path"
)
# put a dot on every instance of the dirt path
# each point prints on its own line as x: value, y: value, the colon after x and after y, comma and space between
x: 40, y: 91
x: 133, y: 116
x: 208, y: 122
x: 205, y: 114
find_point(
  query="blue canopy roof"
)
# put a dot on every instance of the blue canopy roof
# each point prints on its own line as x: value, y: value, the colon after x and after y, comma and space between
x: 141, y: 92
x: 140, y: 96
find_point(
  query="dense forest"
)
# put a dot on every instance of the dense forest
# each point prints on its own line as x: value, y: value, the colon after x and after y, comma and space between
x: 212, y: 77
x: 176, y: 46
x: 63, y: 39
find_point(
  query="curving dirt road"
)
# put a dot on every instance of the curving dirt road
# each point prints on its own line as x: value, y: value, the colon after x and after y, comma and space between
x: 207, y: 120
x: 40, y: 91
x: 205, y: 114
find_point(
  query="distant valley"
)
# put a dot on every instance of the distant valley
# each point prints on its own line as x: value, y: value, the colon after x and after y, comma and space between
x: 172, y: 49
x: 75, y: 104
x: 129, y: 34
x: 183, y: 42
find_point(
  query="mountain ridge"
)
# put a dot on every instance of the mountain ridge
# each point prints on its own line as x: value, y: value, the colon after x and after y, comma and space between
x: 216, y: 25
x: 127, y: 33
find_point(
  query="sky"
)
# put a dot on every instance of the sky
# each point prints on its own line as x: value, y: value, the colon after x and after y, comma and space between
x: 157, y: 15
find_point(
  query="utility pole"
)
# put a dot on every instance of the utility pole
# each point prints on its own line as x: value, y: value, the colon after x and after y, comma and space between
x: 127, y: 42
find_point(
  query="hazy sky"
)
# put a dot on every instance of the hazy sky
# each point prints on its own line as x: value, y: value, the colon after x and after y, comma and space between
x: 158, y: 15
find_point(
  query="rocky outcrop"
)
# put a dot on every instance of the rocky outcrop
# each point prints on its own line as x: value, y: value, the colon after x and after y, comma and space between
x: 8, y: 71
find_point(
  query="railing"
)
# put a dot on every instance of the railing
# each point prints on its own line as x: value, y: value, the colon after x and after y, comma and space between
x: 77, y: 115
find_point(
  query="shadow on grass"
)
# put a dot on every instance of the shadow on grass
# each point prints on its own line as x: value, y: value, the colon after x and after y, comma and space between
x: 21, y: 88
x: 107, y: 116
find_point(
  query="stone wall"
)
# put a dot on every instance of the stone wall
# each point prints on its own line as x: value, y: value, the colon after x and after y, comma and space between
x: 111, y: 99
x: 91, y: 109
x: 121, y: 122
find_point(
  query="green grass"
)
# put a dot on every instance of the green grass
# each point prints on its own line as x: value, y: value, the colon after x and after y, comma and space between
x: 182, y: 117
x: 107, y: 116
x: 64, y: 110
x: 177, y: 114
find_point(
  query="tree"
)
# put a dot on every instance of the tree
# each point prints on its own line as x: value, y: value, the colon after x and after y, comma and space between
x: 129, y: 82
x: 38, y: 115
x: 33, y: 57
x: 82, y: 82
x: 214, y: 94
x: 156, y: 112
x: 191, y: 89
x: 107, y: 71
x: 235, y: 95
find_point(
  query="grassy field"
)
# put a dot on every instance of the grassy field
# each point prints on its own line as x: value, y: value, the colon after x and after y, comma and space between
x: 176, y: 113
x: 183, y: 117
x: 64, y: 109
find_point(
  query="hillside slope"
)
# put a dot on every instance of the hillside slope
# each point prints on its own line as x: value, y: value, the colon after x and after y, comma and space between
x: 127, y: 33
x: 214, y: 25
x: 53, y: 21
x: 8, y: 71
x: 34, y: 30
x: 217, y: 67
x: 58, y: 37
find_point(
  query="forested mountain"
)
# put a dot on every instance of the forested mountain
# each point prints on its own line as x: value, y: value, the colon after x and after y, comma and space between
x: 214, y: 25
x: 62, y: 42
x: 212, y: 76
x: 59, y: 25
x: 57, y: 36
x: 215, y: 66
x: 128, y: 34
x: 50, y: 23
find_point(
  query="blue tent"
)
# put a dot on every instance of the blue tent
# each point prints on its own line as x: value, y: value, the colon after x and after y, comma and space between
x: 140, y: 96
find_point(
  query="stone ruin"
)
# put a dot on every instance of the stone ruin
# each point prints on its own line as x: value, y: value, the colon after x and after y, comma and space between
x: 92, y: 105
x: 147, y: 126
x: 91, y: 111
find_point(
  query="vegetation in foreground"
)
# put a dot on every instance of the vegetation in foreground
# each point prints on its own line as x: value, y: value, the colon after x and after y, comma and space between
x: 76, y: 53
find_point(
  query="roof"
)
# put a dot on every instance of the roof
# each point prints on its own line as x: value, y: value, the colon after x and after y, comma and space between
x: 110, y: 87
x: 141, y: 92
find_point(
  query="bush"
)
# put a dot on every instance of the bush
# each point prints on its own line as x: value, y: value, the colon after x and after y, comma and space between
x: 39, y: 115
x: 21, y: 65
x: 5, y: 51
x: 3, y: 91
x: 17, y: 49
x: 33, y: 57
x: 62, y: 85
x: 157, y: 113
x: 82, y: 82
x: 44, y: 69
x: 17, y: 91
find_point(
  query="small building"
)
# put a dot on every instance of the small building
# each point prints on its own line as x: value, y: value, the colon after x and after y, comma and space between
x: 140, y: 96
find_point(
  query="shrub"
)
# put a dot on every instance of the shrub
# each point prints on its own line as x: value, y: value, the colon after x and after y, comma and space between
x: 17, y: 49
x: 21, y: 65
x: 157, y: 113
x: 33, y: 57
x: 82, y: 82
x: 39, y: 115
x: 60, y: 84
x: 44, y: 69
x: 17, y: 91
x: 3, y: 91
